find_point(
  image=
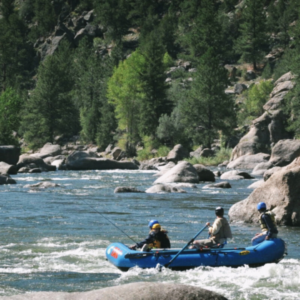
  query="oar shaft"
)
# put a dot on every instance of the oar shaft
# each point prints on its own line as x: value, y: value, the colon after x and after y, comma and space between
x: 167, y: 265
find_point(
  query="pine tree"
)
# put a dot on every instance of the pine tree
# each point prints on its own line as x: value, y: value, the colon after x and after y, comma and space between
x: 114, y: 15
x: 253, y: 42
x: 96, y: 115
x: 49, y: 110
x: 152, y: 77
x: 15, y: 53
x: 10, y: 106
x: 201, y: 28
x: 207, y: 109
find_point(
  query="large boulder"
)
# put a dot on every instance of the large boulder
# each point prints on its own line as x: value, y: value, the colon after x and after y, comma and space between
x: 130, y: 291
x: 177, y: 153
x: 248, y: 161
x: 284, y: 152
x: 32, y: 162
x: 80, y: 160
x: 7, y: 169
x: 49, y: 150
x: 281, y: 193
x: 9, y: 154
x: 6, y: 179
x: 182, y: 172
x: 204, y: 173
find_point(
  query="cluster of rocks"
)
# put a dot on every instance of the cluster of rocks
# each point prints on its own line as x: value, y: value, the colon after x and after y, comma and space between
x: 268, y: 151
x: 67, y: 157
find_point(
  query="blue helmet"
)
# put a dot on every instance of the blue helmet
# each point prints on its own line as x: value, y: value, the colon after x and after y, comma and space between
x: 261, y: 205
x: 152, y: 222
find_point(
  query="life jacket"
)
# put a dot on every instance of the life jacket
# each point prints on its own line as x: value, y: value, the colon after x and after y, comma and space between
x: 224, y: 232
x: 263, y: 226
x: 160, y: 240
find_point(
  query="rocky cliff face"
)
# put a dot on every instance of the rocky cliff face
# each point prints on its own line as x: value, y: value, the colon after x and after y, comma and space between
x: 269, y: 128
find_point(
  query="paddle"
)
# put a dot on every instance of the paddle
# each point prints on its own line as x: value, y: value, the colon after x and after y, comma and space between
x: 168, y: 264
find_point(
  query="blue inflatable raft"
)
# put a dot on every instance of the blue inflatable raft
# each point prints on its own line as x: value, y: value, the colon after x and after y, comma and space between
x: 269, y: 251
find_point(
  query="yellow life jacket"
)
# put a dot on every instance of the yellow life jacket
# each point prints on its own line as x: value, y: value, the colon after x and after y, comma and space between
x: 263, y: 226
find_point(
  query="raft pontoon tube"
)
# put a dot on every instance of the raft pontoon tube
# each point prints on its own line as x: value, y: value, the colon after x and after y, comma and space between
x: 269, y: 251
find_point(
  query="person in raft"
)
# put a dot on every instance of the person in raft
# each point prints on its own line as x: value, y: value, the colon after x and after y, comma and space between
x: 157, y: 238
x: 267, y: 225
x: 219, y: 232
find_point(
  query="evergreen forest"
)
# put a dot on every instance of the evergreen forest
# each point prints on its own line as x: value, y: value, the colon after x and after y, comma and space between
x: 145, y: 74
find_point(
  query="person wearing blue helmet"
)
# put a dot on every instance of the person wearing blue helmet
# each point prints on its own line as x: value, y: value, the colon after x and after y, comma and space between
x: 267, y: 224
x: 157, y: 238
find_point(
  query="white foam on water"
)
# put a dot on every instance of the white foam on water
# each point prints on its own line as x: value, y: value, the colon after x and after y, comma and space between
x: 271, y: 281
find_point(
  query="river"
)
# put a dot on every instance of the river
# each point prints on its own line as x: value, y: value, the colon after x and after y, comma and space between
x: 54, y: 239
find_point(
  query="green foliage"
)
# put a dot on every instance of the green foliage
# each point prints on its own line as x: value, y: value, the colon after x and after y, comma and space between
x: 207, y: 109
x: 89, y: 93
x: 152, y: 78
x: 253, y: 42
x: 149, y: 145
x: 255, y: 98
x: 10, y: 106
x: 113, y: 14
x: 44, y: 17
x: 201, y: 29
x: 221, y: 156
x: 168, y: 61
x: 125, y: 93
x: 15, y: 53
x: 50, y: 111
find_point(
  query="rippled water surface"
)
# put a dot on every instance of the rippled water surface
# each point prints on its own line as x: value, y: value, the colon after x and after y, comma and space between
x: 54, y: 239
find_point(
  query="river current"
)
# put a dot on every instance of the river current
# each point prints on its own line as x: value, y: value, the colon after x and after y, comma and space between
x: 54, y: 239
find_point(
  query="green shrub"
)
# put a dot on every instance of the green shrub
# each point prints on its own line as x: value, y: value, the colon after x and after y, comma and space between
x: 221, y: 155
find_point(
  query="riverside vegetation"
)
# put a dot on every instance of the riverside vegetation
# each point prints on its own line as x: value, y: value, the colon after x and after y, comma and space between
x: 143, y: 74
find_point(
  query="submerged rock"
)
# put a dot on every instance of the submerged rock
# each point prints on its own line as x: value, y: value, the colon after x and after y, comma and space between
x: 125, y: 189
x: 161, y: 188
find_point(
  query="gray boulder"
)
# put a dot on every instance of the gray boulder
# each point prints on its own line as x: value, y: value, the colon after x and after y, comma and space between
x: 7, y: 169
x: 281, y: 194
x: 207, y: 153
x: 161, y: 188
x: 125, y: 189
x: 182, y: 172
x: 6, y: 179
x: 235, y: 175
x: 33, y: 161
x: 239, y: 88
x: 42, y: 185
x: 177, y: 153
x: 284, y: 152
x: 204, y: 173
x: 80, y: 160
x: 164, y: 169
x: 130, y: 291
x: 197, y: 152
x: 248, y: 161
x: 49, y: 150
x: 261, y: 168
x: 9, y: 154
